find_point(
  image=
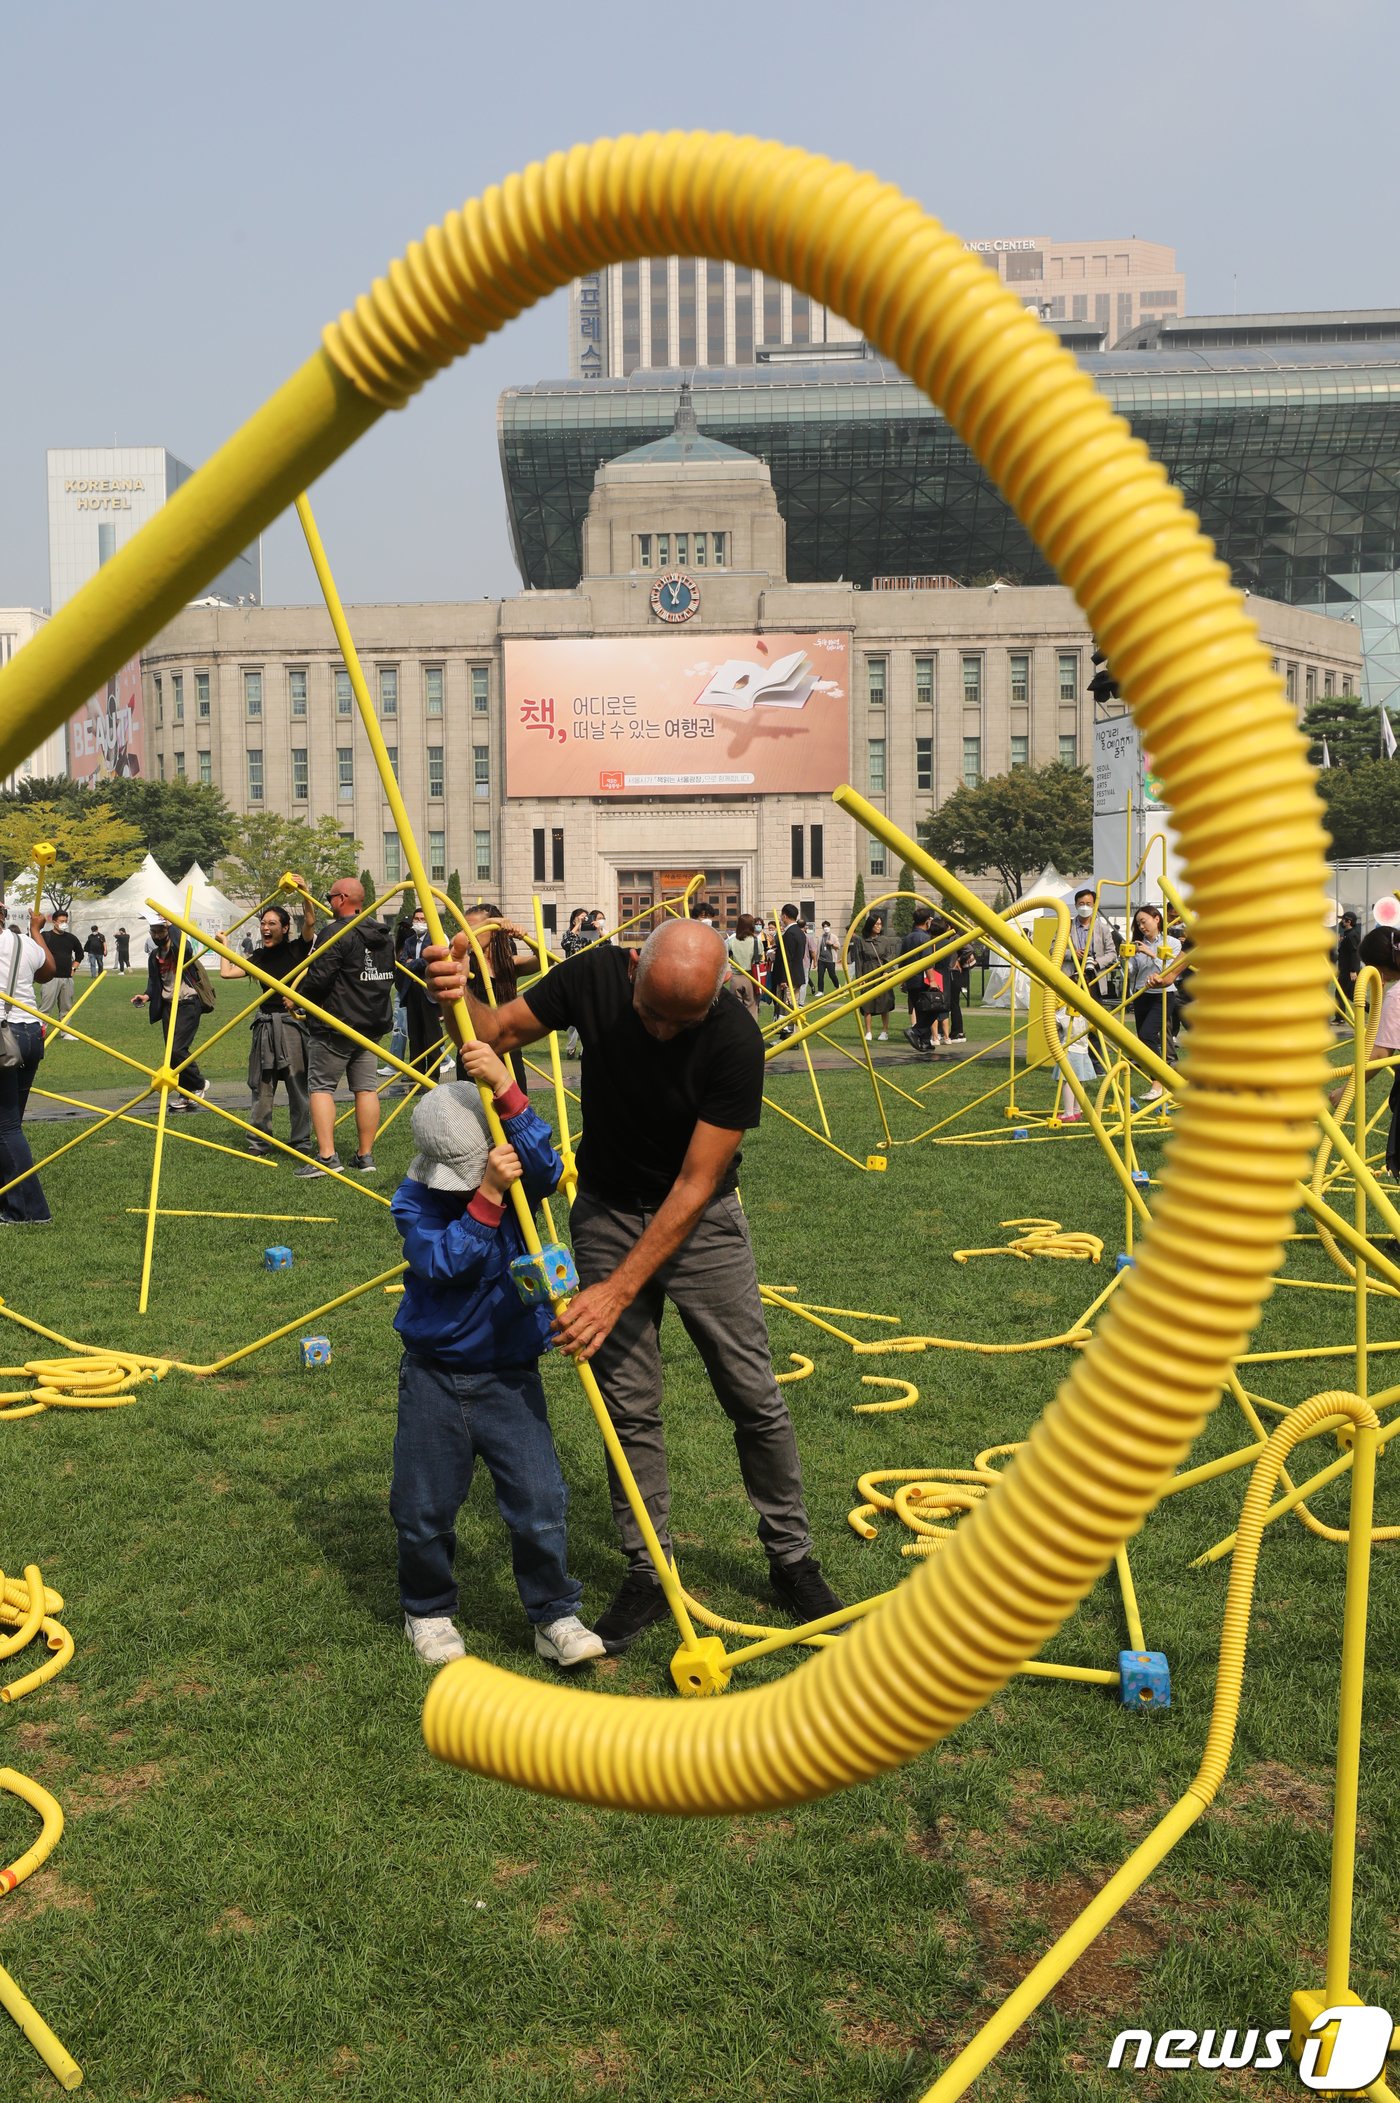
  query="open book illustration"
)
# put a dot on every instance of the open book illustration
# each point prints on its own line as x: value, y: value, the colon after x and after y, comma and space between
x: 739, y: 683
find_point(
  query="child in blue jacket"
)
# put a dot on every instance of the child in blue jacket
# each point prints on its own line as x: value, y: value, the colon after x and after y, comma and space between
x: 469, y: 1384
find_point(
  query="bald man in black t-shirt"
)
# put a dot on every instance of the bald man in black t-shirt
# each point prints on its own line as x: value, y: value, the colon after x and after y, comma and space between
x: 672, y: 1078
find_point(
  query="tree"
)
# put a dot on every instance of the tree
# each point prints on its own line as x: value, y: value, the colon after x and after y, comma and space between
x: 1015, y: 823
x: 858, y: 903
x: 454, y: 890
x: 1363, y: 808
x: 1352, y: 731
x: 95, y: 850
x: 368, y: 882
x: 264, y: 847
x: 904, y: 904
x: 179, y: 822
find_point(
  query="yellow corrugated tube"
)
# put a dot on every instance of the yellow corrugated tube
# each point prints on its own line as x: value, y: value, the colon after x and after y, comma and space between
x: 1234, y: 772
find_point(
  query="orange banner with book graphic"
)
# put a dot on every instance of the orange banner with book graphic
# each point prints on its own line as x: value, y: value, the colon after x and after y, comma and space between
x: 677, y: 715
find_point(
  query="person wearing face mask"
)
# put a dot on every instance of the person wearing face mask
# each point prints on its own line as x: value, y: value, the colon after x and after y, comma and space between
x: 278, y: 1051
x: 56, y: 995
x: 192, y: 999
x: 1092, y: 958
x: 672, y: 1079
x: 1157, y: 963
x: 424, y: 1029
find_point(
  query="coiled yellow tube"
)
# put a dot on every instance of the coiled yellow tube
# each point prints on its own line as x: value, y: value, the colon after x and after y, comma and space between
x: 1234, y: 772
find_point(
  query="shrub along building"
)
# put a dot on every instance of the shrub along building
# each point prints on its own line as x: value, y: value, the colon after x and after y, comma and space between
x: 684, y: 707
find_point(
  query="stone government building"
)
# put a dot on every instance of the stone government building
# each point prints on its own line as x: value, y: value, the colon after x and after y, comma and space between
x: 683, y: 541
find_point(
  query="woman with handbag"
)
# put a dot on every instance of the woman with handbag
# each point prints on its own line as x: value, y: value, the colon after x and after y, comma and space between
x: 872, y: 948
x: 25, y: 962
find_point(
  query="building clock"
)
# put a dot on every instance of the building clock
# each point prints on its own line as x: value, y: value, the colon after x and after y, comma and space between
x: 675, y: 597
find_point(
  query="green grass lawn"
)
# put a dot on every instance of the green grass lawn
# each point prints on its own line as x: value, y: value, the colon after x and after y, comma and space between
x: 268, y: 1889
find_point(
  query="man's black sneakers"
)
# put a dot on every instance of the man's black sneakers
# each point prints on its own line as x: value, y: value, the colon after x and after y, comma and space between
x: 803, y: 1590
x: 638, y: 1602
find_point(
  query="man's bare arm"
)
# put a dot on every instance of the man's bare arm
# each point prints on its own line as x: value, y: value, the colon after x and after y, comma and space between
x: 586, y: 1321
x: 505, y: 1028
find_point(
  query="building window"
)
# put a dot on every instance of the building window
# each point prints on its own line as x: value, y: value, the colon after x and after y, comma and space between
x: 1329, y: 684
x: 700, y: 545
x: 682, y: 547
x: 1020, y: 753
x: 1069, y: 675
x: 1310, y: 685
x: 972, y: 762
x: 877, y: 857
x: 481, y: 771
x: 435, y: 789
x: 482, y: 843
x: 799, y: 854
x: 923, y: 763
x: 437, y: 857
x: 393, y: 859
x: 818, y: 855
x: 160, y: 765
x: 432, y: 689
x: 1346, y: 683
x: 393, y: 754
x: 201, y: 696
x: 556, y: 854
x: 179, y: 766
x: 720, y: 554
x: 301, y: 778
x: 344, y: 694
x: 1290, y: 683
x: 481, y: 678
x: 177, y: 695
x: 206, y: 768
x: 537, y: 841
x: 972, y: 682
x: 923, y: 682
x: 1069, y: 749
x: 345, y: 774
x: 252, y: 693
x: 160, y: 702
x: 643, y: 551
x: 1020, y: 679
x: 296, y: 692
x: 877, y: 766
x: 255, y: 774
x: 388, y: 690
x: 875, y: 681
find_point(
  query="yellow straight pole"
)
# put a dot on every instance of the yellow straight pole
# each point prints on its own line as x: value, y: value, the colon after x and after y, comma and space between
x: 163, y: 1079
x: 461, y: 1015
x: 556, y: 1067
x: 1344, y: 1804
x: 1358, y: 1105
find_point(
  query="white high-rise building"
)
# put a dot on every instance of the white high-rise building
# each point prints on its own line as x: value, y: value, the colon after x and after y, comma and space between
x: 667, y: 311
x: 17, y: 625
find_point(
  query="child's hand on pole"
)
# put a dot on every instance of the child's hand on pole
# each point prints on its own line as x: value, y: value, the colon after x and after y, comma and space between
x: 502, y: 1169
x: 486, y: 1067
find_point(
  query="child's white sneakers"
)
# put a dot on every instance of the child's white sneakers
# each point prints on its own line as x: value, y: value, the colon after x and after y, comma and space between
x: 434, y: 1637
x: 567, y: 1642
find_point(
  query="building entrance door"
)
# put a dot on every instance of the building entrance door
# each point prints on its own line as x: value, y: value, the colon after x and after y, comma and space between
x: 636, y: 893
x: 720, y: 889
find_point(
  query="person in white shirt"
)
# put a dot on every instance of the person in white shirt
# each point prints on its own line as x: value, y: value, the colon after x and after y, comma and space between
x: 25, y: 963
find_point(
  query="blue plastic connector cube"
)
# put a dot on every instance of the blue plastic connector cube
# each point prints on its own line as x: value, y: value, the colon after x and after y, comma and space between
x: 1020, y: 1133
x: 1141, y: 1178
x: 1124, y: 1263
x: 545, y: 1278
x: 1145, y: 1679
x: 313, y: 1352
x: 277, y: 1258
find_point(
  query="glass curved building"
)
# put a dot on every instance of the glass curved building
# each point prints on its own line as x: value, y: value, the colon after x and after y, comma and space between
x: 1289, y: 454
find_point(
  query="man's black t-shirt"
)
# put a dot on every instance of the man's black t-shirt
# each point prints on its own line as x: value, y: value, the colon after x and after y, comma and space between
x: 790, y: 957
x: 280, y: 962
x: 642, y: 1099
x: 64, y: 948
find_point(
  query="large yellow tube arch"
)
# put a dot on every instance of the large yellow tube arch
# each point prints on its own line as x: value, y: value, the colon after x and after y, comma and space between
x: 1233, y: 764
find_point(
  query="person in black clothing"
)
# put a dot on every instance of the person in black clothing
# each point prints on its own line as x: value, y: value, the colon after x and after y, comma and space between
x: 278, y: 1051
x: 424, y: 1026
x: 789, y: 969
x: 95, y: 950
x: 350, y: 975
x: 1348, y: 964
x: 507, y: 952
x: 123, y: 941
x: 672, y: 1078
x: 921, y: 1009
x: 193, y: 998
x: 56, y: 995
x: 826, y: 959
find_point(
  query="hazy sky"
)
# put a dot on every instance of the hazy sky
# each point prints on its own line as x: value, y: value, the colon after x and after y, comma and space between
x: 192, y: 192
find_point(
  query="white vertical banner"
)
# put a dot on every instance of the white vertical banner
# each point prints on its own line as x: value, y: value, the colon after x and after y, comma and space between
x: 1130, y: 818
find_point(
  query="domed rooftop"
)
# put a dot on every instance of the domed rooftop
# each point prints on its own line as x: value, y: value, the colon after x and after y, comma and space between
x: 685, y: 444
